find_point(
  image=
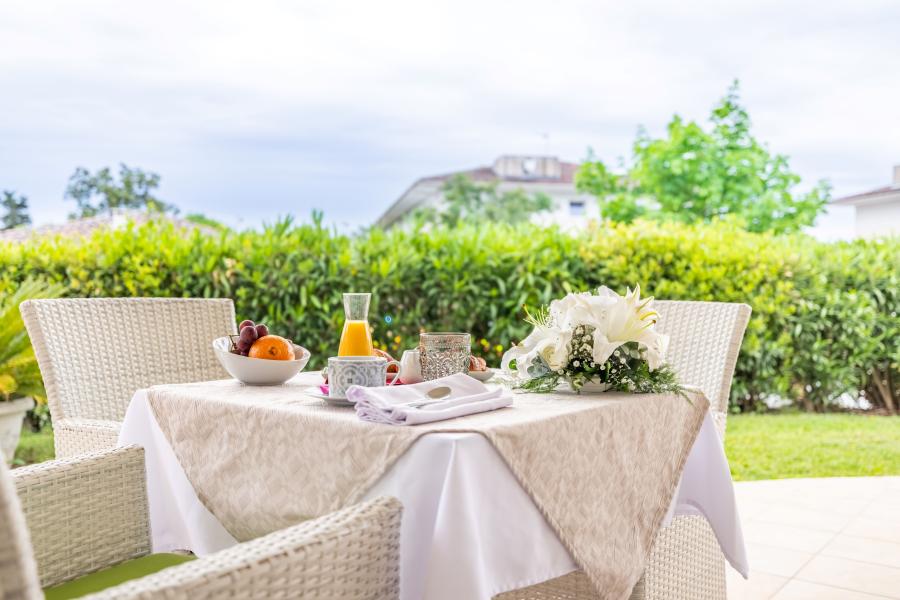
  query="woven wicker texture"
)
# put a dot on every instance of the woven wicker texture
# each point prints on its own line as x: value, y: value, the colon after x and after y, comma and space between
x: 94, y: 353
x: 18, y: 572
x: 85, y: 513
x: 90, y: 512
x: 685, y: 562
x: 351, y: 554
x: 72, y: 437
x: 704, y: 341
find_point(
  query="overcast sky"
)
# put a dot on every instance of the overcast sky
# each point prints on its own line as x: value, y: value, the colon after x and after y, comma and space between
x: 250, y: 110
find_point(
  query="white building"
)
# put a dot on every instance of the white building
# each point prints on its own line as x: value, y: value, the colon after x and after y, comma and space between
x: 878, y: 210
x: 533, y: 174
x: 85, y: 226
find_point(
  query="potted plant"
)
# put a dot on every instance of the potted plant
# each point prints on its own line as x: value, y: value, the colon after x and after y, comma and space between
x: 20, y: 377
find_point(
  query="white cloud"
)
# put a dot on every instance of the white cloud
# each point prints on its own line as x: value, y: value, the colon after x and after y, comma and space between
x: 249, y: 110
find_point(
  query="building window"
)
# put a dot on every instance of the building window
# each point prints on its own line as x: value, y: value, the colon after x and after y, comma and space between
x: 576, y: 208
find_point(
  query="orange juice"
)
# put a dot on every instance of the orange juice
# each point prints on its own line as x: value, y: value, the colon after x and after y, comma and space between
x: 356, y: 339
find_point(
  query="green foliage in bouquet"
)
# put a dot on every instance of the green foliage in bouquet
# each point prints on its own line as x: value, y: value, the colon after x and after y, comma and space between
x: 598, y: 337
x: 826, y: 317
x: 626, y: 371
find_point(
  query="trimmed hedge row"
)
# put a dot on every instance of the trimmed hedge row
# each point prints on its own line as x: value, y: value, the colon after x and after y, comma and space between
x: 826, y: 317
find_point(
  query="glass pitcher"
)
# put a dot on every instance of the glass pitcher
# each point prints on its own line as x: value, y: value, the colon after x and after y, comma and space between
x: 356, y: 339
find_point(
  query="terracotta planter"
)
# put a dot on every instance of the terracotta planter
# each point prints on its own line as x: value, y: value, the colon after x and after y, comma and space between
x: 11, y: 416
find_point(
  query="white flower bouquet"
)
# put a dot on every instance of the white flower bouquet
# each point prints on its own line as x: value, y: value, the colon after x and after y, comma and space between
x: 601, y: 339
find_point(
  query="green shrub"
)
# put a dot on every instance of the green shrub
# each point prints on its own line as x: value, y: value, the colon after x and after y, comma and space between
x: 826, y: 317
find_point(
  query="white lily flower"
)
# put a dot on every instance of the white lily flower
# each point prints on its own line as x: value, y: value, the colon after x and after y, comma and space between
x: 614, y: 319
x: 630, y: 319
x: 548, y: 342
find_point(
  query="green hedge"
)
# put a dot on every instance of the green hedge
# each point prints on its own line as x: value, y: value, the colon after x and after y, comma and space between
x: 825, y: 316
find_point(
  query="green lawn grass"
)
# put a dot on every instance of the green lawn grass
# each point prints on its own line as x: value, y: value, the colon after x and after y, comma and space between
x: 777, y: 446
x: 34, y: 447
x: 766, y: 446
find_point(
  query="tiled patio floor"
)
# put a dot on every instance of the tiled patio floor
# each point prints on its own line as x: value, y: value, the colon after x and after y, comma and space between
x: 820, y: 539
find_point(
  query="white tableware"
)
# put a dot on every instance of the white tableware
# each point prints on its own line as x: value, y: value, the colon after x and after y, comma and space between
x: 410, y: 367
x: 366, y: 371
x: 259, y: 371
x: 482, y: 375
x: 438, y: 392
x: 317, y: 393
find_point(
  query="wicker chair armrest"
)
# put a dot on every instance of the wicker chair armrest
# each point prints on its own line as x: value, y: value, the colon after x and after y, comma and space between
x: 352, y: 553
x: 85, y: 513
x: 72, y: 437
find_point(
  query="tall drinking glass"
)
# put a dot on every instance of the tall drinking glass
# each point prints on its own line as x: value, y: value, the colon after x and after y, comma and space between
x: 443, y: 354
x: 356, y: 339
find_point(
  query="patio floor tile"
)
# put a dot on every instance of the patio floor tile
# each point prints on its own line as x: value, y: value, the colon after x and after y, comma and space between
x: 878, y: 529
x: 852, y: 575
x: 792, y: 516
x: 776, y: 561
x: 884, y: 509
x: 802, y: 590
x: 820, y: 539
x: 760, y: 586
x: 786, y: 536
x: 865, y: 550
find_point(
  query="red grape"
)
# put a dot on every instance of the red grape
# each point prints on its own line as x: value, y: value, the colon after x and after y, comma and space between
x: 248, y: 335
x: 262, y: 330
x: 245, y: 353
x: 243, y: 346
x: 245, y: 323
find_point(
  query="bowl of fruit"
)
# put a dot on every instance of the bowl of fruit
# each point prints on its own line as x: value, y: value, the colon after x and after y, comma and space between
x: 256, y: 357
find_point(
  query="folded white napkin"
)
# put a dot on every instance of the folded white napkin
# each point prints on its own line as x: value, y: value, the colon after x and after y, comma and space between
x: 399, y: 405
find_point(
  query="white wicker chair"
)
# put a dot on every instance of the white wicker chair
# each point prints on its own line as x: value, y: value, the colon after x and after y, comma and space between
x: 94, y: 353
x: 685, y: 562
x: 89, y: 513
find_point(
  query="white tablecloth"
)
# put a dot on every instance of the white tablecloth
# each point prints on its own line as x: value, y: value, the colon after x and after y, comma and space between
x: 469, y: 530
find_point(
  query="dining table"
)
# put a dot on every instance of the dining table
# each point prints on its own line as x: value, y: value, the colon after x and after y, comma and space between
x: 491, y: 503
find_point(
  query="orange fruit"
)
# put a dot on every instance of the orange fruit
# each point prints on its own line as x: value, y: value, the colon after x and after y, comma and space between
x: 272, y: 347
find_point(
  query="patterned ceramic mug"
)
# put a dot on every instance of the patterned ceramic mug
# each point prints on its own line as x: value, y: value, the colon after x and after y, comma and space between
x: 367, y: 371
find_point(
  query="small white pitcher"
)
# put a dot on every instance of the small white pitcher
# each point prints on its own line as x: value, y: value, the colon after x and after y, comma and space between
x: 410, y: 367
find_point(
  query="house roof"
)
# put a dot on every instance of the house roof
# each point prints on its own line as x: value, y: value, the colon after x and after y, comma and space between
x: 85, y: 226
x: 883, y: 194
x: 487, y: 173
x: 424, y: 186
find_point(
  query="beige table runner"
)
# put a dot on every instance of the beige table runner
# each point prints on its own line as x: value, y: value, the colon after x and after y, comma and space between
x: 601, y: 468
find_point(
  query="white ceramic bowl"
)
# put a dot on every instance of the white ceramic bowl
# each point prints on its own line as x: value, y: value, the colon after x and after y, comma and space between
x: 482, y: 375
x: 259, y: 371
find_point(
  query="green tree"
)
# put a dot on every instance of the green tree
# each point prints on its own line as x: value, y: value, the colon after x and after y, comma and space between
x: 102, y: 192
x: 470, y: 201
x: 695, y: 174
x: 16, y: 210
x: 201, y: 219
